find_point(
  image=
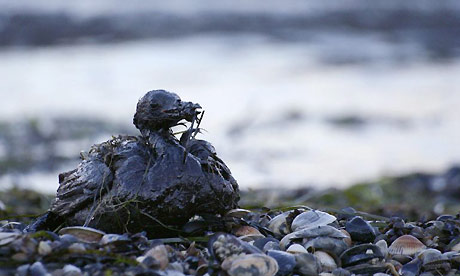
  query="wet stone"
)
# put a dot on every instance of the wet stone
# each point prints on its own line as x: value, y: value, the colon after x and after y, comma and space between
x: 307, y: 264
x: 286, y: 262
x: 360, y: 230
x: 260, y: 243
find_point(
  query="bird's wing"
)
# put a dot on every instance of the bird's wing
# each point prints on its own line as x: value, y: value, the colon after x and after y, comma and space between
x: 208, y: 157
x: 82, y: 186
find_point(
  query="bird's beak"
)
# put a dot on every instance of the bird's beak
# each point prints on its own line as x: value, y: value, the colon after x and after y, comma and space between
x: 190, y: 110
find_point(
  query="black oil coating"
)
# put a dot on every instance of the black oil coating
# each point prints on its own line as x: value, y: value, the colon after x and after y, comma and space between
x: 141, y: 183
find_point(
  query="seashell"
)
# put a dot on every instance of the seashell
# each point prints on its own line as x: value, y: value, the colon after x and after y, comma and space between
x: 260, y: 243
x: 37, y: 268
x: 321, y: 231
x: 359, y: 254
x: 271, y: 246
x: 347, y: 240
x: 296, y: 248
x: 223, y: 245
x: 69, y: 269
x: 406, y: 245
x: 360, y: 230
x: 254, y: 265
x: 327, y: 262
x: 453, y: 257
x: 311, y: 219
x: 367, y: 269
x: 278, y: 224
x: 454, y: 245
x: 84, y: 234
x: 114, y: 239
x: 286, y: 262
x: 412, y: 268
x: 237, y: 213
x: 160, y: 254
x: 341, y: 272
x: 332, y: 245
x: 382, y: 244
x: 325, y: 274
x: 7, y: 237
x: 245, y: 230
x: 433, y: 259
x: 250, y: 238
x: 307, y: 264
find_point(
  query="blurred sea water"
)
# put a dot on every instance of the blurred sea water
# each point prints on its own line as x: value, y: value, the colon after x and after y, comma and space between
x: 329, y: 108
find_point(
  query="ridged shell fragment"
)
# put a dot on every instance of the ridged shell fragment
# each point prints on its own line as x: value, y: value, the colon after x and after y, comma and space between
x: 406, y: 245
x: 84, y: 234
x: 311, y: 219
x: 253, y: 265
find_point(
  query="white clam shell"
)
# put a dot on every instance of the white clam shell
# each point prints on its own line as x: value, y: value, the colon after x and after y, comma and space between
x: 84, y: 234
x: 311, y: 219
x: 296, y: 249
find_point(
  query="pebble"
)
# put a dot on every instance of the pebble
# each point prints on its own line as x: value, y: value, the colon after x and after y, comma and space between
x: 307, y: 252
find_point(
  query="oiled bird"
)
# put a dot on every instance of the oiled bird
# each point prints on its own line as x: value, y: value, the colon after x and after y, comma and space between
x: 140, y: 183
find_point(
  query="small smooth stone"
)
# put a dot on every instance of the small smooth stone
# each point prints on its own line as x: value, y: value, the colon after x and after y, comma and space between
x: 328, y: 263
x: 341, y: 272
x: 68, y: 239
x: 296, y: 248
x: 260, y: 243
x: 23, y: 270
x: 113, y: 239
x: 307, y: 264
x: 71, y: 270
x: 286, y: 262
x: 412, y: 268
x: 77, y: 248
x: 160, y: 254
x: 360, y: 230
x: 44, y: 248
x: 346, y: 213
x: 37, y: 269
x: 271, y: 246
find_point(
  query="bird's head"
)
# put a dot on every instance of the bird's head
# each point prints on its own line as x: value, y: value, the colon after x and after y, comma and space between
x: 160, y: 109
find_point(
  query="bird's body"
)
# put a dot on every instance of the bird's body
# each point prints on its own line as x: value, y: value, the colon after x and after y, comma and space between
x: 131, y: 183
